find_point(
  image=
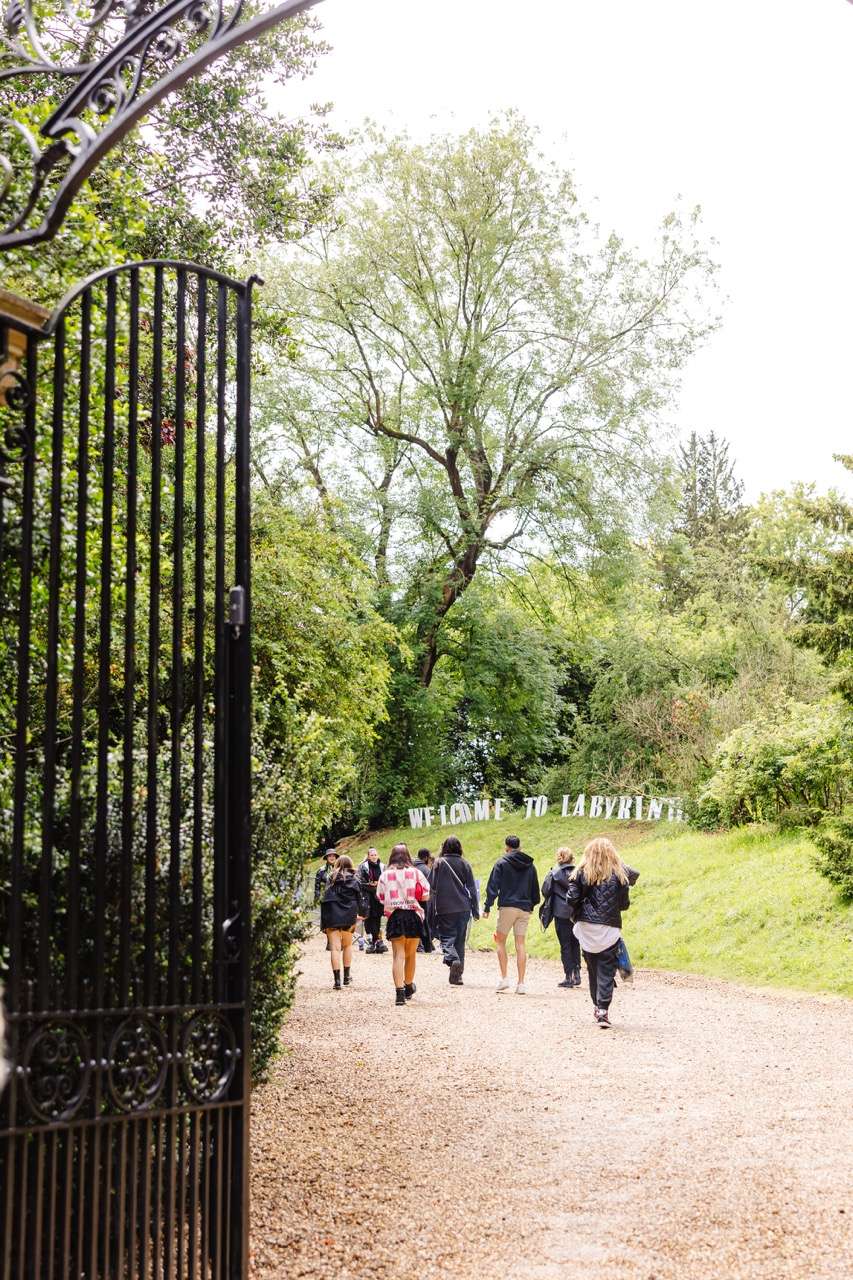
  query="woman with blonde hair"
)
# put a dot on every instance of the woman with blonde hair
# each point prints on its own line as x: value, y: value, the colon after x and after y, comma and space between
x: 344, y: 902
x: 597, y: 895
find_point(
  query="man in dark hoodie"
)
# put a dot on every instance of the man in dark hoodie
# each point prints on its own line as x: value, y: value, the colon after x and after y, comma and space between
x: 515, y: 885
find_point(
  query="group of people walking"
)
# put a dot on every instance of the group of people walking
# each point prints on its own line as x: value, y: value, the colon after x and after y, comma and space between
x: 426, y: 900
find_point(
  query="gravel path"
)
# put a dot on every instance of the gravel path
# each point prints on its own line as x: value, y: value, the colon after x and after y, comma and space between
x: 708, y: 1134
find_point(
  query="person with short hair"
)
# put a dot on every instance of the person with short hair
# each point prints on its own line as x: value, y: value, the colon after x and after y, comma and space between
x: 369, y: 872
x: 513, y: 882
x: 455, y: 900
x: 555, y: 887
x: 402, y: 889
x: 597, y: 895
x: 344, y: 902
x: 324, y: 872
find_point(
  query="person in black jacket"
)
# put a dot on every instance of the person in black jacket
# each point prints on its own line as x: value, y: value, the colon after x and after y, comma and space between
x: 369, y: 872
x: 324, y: 872
x: 514, y: 883
x: 344, y: 902
x: 555, y: 888
x: 454, y: 899
x: 424, y: 862
x: 597, y: 895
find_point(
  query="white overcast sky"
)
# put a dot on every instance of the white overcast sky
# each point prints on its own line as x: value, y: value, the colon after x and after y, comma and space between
x: 742, y: 106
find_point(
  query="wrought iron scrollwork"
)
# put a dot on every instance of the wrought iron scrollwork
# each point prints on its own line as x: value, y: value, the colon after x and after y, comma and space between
x: 137, y: 1065
x: 208, y: 1056
x: 134, y: 52
x: 55, y: 1071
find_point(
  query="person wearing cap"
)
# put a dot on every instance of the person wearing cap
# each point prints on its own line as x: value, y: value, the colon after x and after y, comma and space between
x: 323, y: 876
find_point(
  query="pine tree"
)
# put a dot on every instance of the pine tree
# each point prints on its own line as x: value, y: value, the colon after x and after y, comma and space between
x: 710, y: 504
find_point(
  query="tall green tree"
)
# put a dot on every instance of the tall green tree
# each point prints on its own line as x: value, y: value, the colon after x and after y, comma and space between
x: 711, y: 493
x: 825, y: 583
x: 479, y: 371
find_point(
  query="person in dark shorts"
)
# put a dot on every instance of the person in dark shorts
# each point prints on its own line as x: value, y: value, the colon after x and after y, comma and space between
x: 369, y: 872
x: 454, y: 900
x: 344, y: 903
x: 402, y: 889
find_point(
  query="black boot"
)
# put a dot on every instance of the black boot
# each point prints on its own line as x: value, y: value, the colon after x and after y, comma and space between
x: 401, y: 995
x: 577, y: 977
x: 410, y: 990
x: 337, y: 976
x: 347, y: 976
x: 455, y: 976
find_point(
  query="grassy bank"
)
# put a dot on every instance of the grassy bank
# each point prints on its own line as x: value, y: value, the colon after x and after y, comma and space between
x: 745, y: 905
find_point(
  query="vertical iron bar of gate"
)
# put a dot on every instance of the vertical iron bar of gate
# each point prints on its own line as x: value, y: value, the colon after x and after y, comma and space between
x: 240, y: 828
x: 14, y: 990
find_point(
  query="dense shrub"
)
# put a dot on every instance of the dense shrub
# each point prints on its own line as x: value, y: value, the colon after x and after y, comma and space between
x: 796, y: 760
x: 834, y: 839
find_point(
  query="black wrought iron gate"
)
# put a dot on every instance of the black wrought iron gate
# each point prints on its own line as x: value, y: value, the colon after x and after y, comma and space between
x: 124, y: 784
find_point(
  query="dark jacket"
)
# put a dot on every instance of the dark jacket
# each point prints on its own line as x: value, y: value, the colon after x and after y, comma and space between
x: 423, y: 867
x: 343, y: 902
x: 600, y: 903
x: 556, y: 886
x: 513, y: 882
x: 453, y: 887
x: 369, y: 873
x: 321, y: 880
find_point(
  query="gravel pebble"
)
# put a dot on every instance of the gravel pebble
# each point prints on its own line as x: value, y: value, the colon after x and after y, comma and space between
x: 707, y: 1135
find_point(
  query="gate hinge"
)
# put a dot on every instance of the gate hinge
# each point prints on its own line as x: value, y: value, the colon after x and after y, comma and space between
x: 237, y: 609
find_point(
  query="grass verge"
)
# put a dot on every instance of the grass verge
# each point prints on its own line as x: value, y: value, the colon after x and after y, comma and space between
x: 746, y: 904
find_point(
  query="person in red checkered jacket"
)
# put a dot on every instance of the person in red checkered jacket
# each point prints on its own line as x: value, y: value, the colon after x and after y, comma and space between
x: 402, y: 890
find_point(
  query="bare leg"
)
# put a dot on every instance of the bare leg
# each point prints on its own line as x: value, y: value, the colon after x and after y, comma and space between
x: 500, y: 943
x: 346, y: 952
x: 335, y: 949
x: 521, y: 957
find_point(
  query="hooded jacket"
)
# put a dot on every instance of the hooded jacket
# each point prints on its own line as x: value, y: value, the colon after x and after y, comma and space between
x: 369, y: 873
x: 601, y: 903
x: 343, y: 902
x: 556, y: 886
x: 453, y: 887
x: 513, y: 882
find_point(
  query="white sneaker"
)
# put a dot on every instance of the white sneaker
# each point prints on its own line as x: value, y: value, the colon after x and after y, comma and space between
x: 504, y: 984
x: 521, y: 989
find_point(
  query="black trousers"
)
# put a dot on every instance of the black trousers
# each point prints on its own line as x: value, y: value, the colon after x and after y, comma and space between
x: 450, y: 930
x: 373, y: 920
x: 570, y: 948
x: 601, y: 970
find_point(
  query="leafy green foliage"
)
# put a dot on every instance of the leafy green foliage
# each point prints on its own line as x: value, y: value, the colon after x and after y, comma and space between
x: 488, y: 363
x: 834, y: 839
x: 794, y: 759
x: 745, y: 905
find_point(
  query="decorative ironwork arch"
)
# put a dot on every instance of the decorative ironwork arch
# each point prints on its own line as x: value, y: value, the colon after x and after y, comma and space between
x: 138, y: 52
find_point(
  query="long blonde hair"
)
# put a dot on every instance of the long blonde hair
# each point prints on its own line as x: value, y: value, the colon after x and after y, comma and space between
x: 599, y: 861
